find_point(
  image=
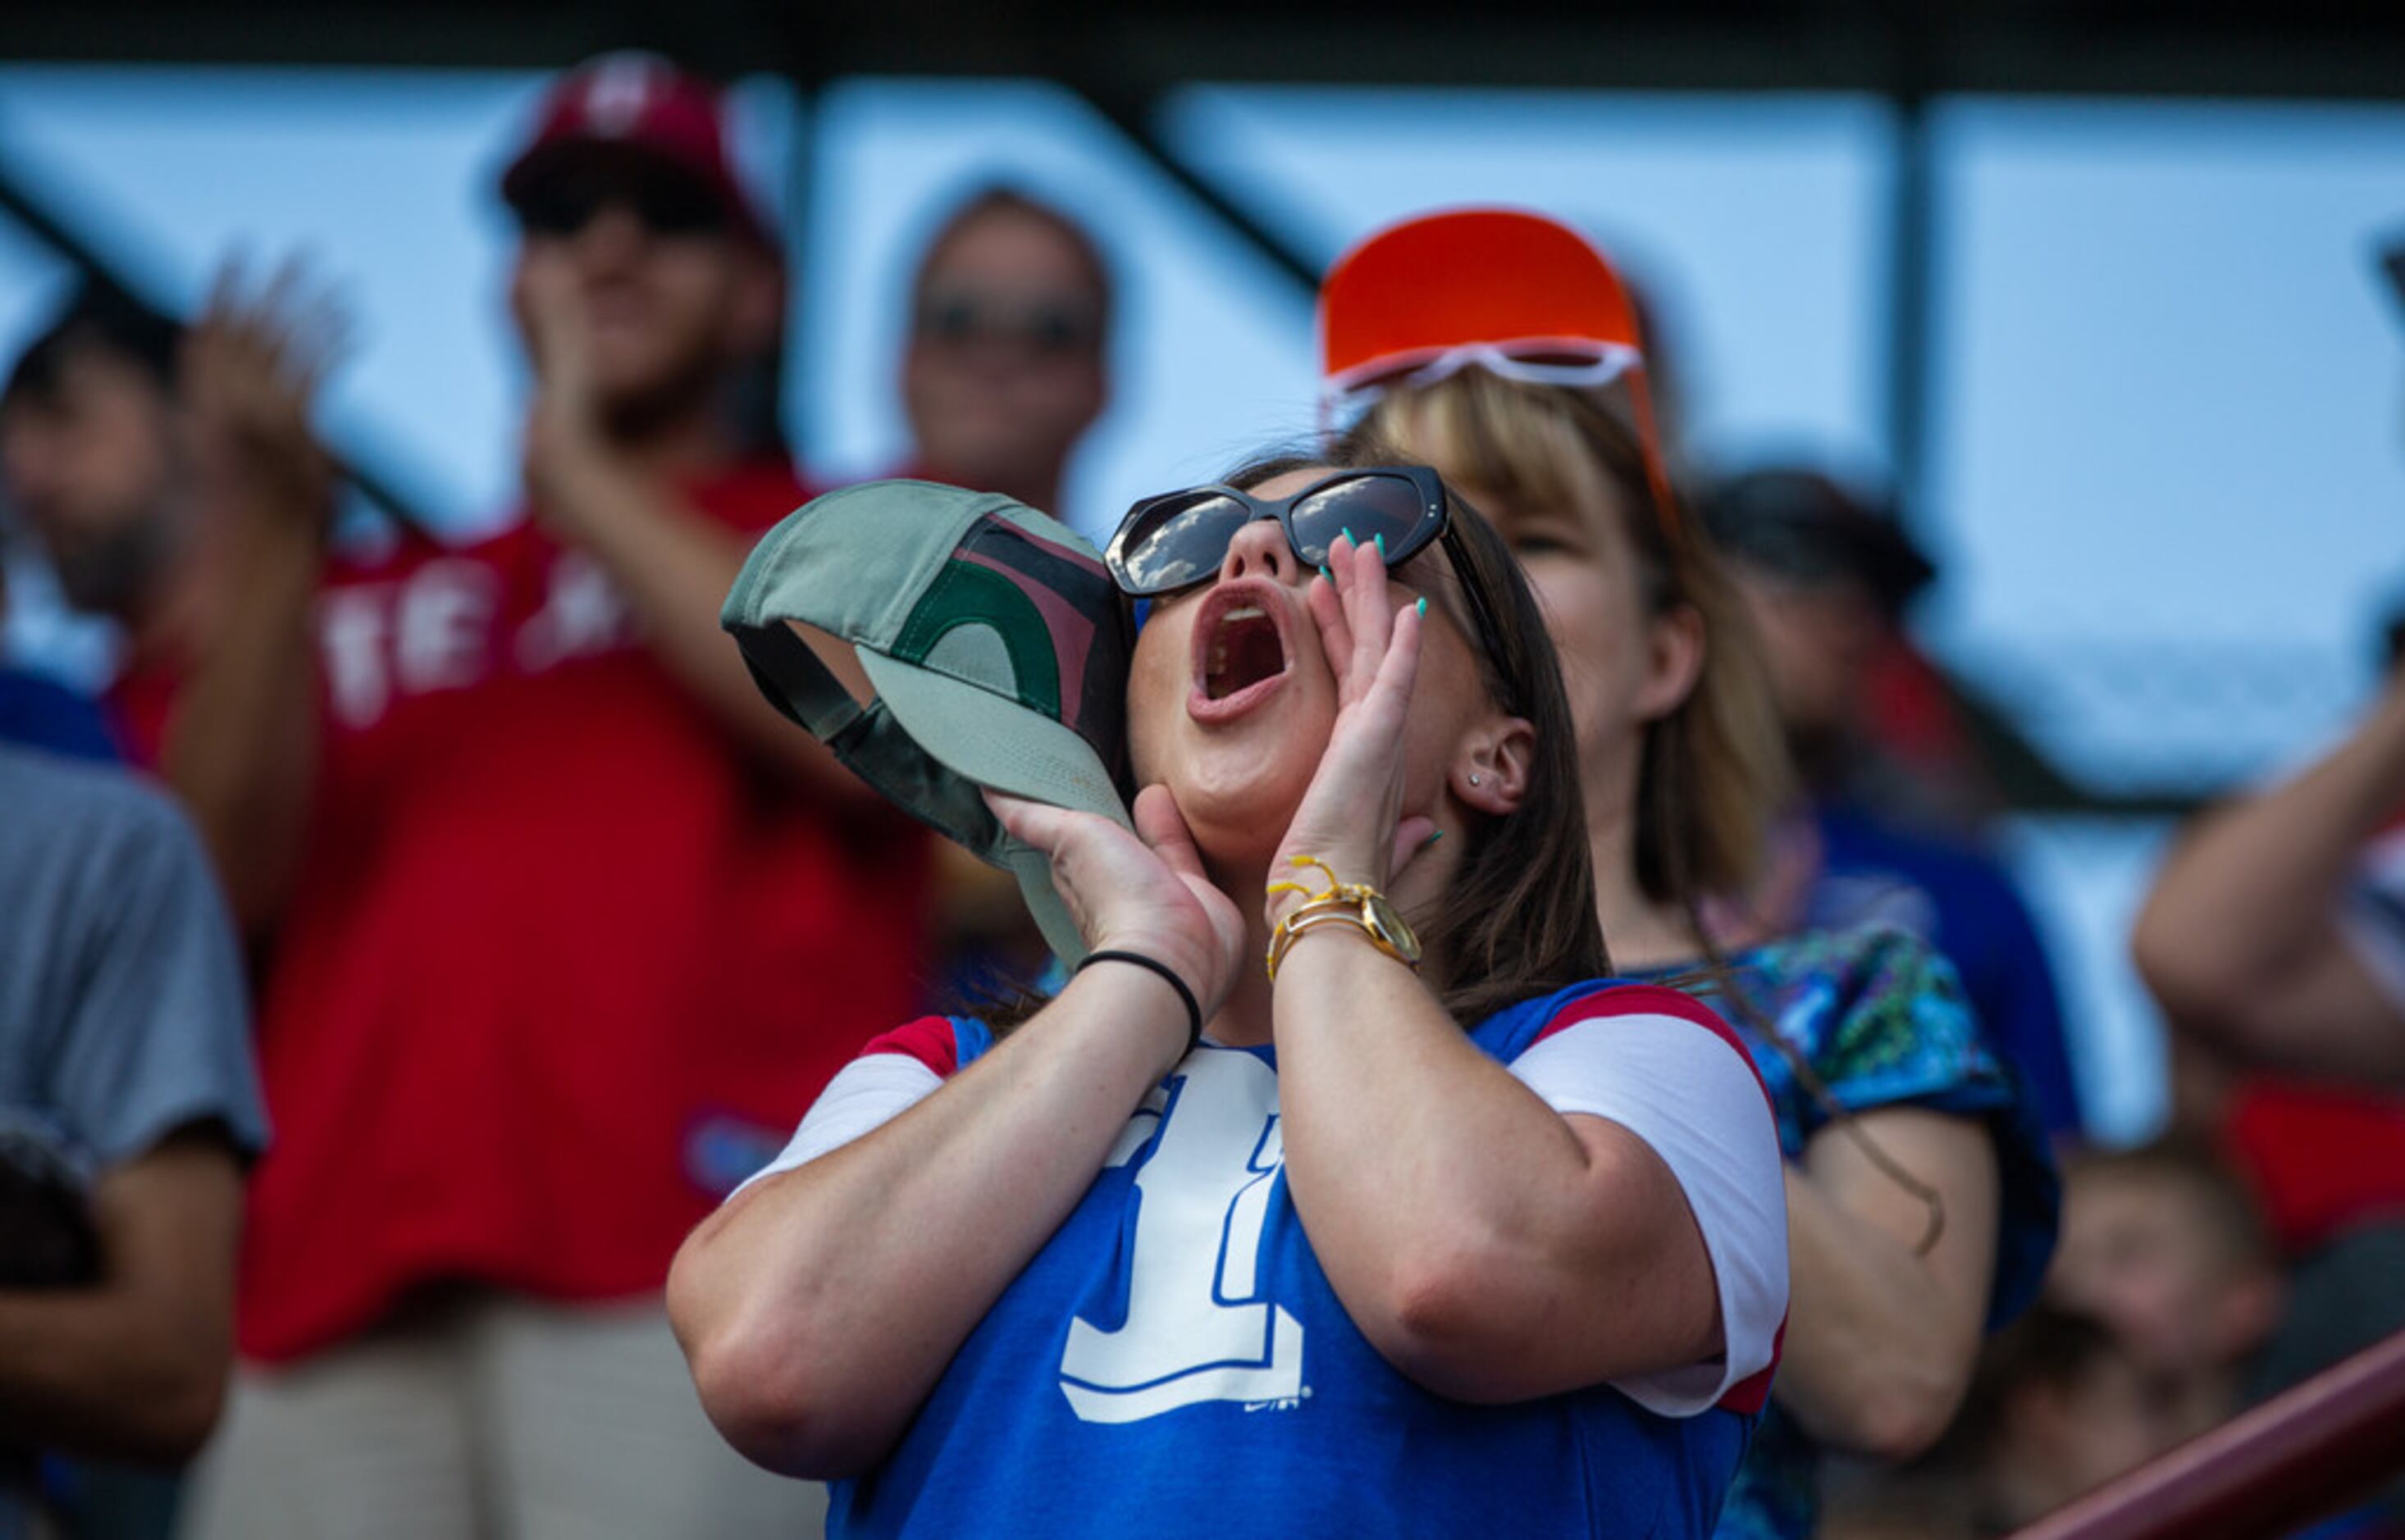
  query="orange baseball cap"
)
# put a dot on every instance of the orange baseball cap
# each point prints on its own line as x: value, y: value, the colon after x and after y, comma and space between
x: 1514, y: 292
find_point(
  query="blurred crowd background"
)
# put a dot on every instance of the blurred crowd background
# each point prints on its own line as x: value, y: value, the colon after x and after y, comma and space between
x: 2084, y: 320
x: 2132, y: 363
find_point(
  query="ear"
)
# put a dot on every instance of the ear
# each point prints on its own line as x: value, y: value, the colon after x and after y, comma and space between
x: 1490, y: 772
x: 1674, y: 661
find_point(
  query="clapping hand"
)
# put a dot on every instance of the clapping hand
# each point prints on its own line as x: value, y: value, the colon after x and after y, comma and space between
x: 251, y: 368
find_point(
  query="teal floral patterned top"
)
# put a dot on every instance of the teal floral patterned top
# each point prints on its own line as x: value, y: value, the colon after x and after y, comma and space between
x: 1882, y: 1020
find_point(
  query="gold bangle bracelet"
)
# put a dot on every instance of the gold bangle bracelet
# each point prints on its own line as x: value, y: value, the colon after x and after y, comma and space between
x: 1354, y: 904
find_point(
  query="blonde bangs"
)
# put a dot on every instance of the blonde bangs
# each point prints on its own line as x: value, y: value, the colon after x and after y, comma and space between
x: 1488, y: 435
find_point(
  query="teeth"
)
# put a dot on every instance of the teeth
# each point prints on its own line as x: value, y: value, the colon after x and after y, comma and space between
x: 1243, y: 612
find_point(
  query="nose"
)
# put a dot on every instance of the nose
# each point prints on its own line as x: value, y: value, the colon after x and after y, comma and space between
x: 1259, y: 551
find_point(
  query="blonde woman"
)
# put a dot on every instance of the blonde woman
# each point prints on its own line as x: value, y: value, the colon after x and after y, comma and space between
x: 1501, y: 348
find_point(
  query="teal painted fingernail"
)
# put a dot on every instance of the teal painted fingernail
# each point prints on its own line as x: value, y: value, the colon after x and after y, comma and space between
x: 1348, y: 535
x: 1422, y: 606
x: 1325, y: 573
x: 1381, y: 541
x: 1438, y: 835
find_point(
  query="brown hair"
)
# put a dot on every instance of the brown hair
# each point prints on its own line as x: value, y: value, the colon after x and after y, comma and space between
x: 1519, y: 919
x: 1713, y: 772
x: 2240, y: 1237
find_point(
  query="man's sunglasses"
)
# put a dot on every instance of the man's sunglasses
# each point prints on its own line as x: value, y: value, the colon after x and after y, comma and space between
x: 664, y: 204
x: 1049, y: 327
x: 1179, y: 540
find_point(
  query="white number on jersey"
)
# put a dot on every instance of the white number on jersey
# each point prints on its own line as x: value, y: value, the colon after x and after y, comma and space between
x: 1199, y: 1325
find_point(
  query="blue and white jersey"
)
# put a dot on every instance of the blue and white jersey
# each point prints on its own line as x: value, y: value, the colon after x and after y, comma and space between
x: 1174, y: 1363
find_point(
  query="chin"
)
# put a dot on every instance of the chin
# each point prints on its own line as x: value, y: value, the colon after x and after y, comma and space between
x: 1238, y: 803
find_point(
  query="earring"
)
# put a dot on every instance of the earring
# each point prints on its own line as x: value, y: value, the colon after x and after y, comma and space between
x: 1473, y: 778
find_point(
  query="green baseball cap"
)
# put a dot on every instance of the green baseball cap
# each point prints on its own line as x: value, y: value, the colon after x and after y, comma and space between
x: 998, y: 645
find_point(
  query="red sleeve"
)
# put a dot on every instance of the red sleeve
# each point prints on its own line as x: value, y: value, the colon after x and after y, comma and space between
x: 930, y: 1040
x: 1652, y: 999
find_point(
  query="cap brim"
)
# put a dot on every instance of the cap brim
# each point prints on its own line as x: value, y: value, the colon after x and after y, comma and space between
x: 1000, y: 744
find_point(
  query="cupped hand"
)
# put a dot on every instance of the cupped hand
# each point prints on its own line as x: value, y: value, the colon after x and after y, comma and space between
x: 563, y: 431
x: 1144, y: 891
x: 1351, y: 815
x: 251, y: 367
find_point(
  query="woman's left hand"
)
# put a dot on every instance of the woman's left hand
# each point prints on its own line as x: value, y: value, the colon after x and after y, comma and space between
x: 1351, y: 815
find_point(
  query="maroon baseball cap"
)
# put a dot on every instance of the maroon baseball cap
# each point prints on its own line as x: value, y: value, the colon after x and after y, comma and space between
x: 635, y: 105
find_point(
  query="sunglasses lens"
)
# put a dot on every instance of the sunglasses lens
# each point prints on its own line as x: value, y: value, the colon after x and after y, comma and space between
x: 561, y: 206
x: 665, y: 204
x: 1371, y: 507
x: 679, y: 206
x: 1178, y: 541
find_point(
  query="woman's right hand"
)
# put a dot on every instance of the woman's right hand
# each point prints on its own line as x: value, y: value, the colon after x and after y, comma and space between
x: 1142, y: 892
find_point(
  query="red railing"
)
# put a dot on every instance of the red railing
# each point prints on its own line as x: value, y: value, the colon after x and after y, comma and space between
x: 2307, y: 1453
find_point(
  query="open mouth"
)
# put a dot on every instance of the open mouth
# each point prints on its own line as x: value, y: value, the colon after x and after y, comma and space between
x: 1245, y: 649
x: 1241, y: 655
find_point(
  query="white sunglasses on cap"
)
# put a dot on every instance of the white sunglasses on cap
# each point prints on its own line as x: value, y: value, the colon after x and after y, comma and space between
x: 1579, y: 363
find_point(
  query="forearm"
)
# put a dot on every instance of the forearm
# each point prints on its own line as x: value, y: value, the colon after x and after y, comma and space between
x: 89, y: 1371
x: 1881, y: 1340
x: 1482, y: 1245
x: 674, y: 567
x: 2251, y: 893
x: 819, y: 1308
x: 241, y: 748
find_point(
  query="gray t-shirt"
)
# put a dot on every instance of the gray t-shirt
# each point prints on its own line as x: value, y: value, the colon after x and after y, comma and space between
x: 121, y: 1010
x: 123, y: 1015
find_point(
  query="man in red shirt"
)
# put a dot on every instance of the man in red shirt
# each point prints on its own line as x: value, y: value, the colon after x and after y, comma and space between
x: 564, y: 925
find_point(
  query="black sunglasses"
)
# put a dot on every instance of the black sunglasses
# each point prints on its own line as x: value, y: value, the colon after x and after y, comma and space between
x: 1179, y: 540
x: 664, y: 204
x: 1044, y: 325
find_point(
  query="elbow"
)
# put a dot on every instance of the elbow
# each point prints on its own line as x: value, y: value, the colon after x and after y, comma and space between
x: 184, y: 1419
x: 766, y: 1400
x: 168, y: 1413
x: 1903, y: 1424
x: 1435, y: 1324
x: 1894, y: 1413
x: 766, y: 1384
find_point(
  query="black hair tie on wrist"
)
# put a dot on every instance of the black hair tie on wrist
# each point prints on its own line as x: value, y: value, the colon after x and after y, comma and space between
x: 1185, y: 995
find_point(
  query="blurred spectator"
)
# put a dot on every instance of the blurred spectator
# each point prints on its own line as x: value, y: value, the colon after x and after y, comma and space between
x: 2060, y: 1405
x: 85, y: 452
x: 1006, y: 366
x: 127, y: 1107
x: 2274, y: 941
x: 2165, y: 1247
x: 1007, y: 363
x: 564, y: 926
x: 1828, y: 577
x: 2275, y: 933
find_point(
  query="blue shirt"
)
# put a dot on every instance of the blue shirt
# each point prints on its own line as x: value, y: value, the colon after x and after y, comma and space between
x: 1145, y: 1375
x: 1880, y: 1020
x: 1961, y: 901
x: 38, y: 713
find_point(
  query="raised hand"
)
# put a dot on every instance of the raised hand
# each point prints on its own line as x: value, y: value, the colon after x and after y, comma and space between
x: 564, y: 441
x: 1142, y: 892
x: 251, y: 368
x: 1351, y: 815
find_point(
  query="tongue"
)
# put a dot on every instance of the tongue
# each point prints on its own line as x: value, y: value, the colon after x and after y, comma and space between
x: 1248, y: 653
